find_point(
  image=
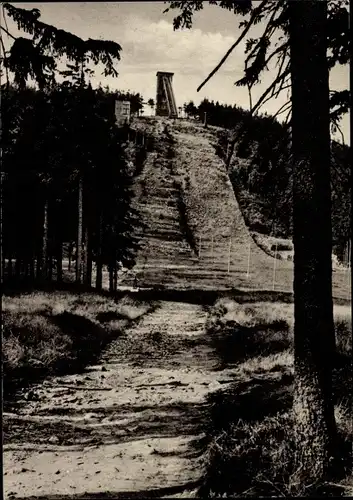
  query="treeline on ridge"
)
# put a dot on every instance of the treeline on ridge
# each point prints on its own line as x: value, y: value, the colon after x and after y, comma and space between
x: 66, y: 184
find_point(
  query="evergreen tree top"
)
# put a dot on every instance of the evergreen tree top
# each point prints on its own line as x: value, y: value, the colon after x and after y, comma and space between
x: 36, y: 57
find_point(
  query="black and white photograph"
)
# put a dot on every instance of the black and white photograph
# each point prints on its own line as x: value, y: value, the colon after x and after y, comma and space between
x: 175, y: 249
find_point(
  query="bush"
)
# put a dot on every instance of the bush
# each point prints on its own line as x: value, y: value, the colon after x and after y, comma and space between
x: 282, y: 247
x: 252, y: 452
x: 252, y: 459
x: 47, y: 332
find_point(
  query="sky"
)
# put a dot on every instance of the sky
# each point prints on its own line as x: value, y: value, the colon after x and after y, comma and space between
x: 149, y: 44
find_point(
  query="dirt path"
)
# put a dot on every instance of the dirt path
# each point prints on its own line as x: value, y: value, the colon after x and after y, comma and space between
x: 133, y: 425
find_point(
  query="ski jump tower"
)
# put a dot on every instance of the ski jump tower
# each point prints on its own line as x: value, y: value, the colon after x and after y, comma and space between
x: 165, y: 96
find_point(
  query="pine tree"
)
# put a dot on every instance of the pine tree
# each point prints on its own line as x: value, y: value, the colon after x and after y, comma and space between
x: 37, y: 57
x: 322, y: 41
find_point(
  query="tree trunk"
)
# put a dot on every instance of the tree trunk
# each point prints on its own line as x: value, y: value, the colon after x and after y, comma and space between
x: 79, y: 233
x: 99, y: 254
x: 89, y: 268
x: 115, y: 276
x: 18, y: 266
x: 59, y: 262
x: 9, y: 267
x: 314, y: 338
x: 50, y: 268
x: 70, y: 256
x: 26, y: 266
x: 44, y: 266
x: 111, y: 277
x: 84, y: 256
x: 31, y: 269
x: 87, y: 260
x: 2, y: 266
x: 38, y: 269
x: 230, y: 153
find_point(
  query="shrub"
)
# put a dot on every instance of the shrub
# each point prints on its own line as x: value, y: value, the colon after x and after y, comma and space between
x: 251, y: 453
x: 45, y: 332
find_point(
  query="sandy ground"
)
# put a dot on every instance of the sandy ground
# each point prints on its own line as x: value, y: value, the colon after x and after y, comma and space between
x: 134, y: 425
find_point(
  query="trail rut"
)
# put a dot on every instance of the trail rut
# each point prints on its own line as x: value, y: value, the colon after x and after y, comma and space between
x: 133, y: 425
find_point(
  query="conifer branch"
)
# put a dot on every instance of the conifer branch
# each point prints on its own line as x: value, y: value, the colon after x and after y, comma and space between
x: 58, y: 43
x: 285, y: 107
x: 268, y: 32
x: 275, y: 93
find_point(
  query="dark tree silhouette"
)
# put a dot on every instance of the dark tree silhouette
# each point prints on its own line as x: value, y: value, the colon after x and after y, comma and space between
x: 190, y: 109
x: 314, y: 37
x: 315, y: 428
x: 37, y: 57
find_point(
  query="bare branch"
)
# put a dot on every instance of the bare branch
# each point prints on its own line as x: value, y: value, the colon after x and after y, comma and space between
x: 4, y: 17
x: 287, y: 121
x: 271, y: 87
x: 235, y: 44
x: 264, y: 34
x: 282, y: 59
x: 250, y: 97
x: 8, y: 33
x: 286, y: 106
x: 336, y: 125
x: 275, y: 93
x: 282, y: 48
x: 282, y: 87
x: 5, y: 65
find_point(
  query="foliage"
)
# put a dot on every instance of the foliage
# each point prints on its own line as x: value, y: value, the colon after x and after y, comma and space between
x: 37, y: 57
x: 136, y: 100
x: 305, y: 28
x: 252, y: 455
x: 261, y: 174
x: 272, y: 45
x: 190, y: 109
x: 50, y: 140
x: 47, y: 332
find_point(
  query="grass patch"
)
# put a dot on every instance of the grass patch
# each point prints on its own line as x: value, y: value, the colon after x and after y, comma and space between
x: 44, y: 333
x: 251, y: 451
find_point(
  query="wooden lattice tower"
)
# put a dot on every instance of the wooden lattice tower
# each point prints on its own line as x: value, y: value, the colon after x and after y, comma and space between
x: 165, y: 101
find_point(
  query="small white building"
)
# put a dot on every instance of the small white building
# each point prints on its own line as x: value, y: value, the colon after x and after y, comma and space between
x: 122, y: 112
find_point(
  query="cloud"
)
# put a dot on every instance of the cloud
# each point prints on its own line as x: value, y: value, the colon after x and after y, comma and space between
x: 155, y: 46
x: 149, y: 47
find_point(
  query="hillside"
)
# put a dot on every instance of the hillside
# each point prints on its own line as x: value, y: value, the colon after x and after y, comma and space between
x: 194, y: 234
x: 261, y: 173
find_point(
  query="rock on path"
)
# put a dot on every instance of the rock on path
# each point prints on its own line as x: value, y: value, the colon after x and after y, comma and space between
x: 134, y: 423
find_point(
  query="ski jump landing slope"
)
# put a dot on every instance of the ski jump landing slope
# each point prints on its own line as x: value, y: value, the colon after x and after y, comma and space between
x: 184, y: 170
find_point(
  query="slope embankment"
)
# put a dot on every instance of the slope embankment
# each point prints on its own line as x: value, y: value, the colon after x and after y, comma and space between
x: 164, y: 251
x: 194, y: 235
